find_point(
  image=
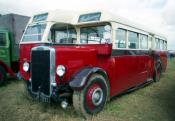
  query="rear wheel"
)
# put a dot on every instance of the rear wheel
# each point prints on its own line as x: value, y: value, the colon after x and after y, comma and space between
x: 3, y: 75
x: 158, y: 72
x: 92, y: 98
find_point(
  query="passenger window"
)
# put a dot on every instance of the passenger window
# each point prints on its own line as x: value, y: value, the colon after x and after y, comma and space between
x: 3, y: 39
x: 157, y: 43
x: 161, y: 44
x: 165, y: 45
x: 133, y: 40
x: 150, y: 42
x: 143, y: 41
x: 120, y: 41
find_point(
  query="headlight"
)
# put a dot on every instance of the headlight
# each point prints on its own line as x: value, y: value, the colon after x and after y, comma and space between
x: 26, y: 66
x: 60, y: 70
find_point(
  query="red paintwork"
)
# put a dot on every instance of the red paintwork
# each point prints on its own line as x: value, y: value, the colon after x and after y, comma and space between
x: 7, y: 68
x: 124, y: 71
x: 25, y: 56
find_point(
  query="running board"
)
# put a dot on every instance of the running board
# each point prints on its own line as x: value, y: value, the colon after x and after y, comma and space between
x: 149, y: 81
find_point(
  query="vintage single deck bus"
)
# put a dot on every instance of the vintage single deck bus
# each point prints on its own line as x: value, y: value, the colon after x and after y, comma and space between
x: 87, y: 58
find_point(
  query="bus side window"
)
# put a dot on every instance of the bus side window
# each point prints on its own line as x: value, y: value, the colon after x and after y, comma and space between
x: 165, y: 45
x: 157, y: 43
x: 133, y: 40
x: 143, y: 41
x: 161, y: 44
x: 150, y: 42
x: 120, y: 39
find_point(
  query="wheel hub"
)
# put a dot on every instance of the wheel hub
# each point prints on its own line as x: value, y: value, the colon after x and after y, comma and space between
x: 97, y: 96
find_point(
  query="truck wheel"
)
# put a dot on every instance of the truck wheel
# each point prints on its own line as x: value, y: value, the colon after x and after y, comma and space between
x: 158, y: 72
x: 3, y: 75
x: 92, y: 98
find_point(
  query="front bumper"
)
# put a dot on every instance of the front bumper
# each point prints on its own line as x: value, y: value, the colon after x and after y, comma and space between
x: 58, y: 94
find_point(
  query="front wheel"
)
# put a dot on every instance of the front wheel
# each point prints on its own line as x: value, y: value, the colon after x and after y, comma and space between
x: 92, y: 98
x: 3, y: 75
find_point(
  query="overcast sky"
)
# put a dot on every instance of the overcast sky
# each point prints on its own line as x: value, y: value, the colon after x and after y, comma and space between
x: 156, y: 14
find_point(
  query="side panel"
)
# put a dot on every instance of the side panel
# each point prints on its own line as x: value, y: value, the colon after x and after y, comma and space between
x: 131, y: 69
x: 142, y: 68
x: 126, y: 71
x: 5, y: 48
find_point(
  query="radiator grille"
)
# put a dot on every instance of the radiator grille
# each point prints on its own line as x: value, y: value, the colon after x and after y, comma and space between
x: 40, y: 71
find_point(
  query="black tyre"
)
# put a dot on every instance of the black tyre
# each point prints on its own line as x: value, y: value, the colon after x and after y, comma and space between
x: 157, y: 72
x: 92, y: 98
x: 3, y: 75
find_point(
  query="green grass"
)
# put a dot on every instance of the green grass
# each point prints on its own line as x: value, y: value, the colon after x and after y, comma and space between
x: 155, y: 102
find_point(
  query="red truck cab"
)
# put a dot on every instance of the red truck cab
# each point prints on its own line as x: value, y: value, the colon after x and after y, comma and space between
x: 87, y: 58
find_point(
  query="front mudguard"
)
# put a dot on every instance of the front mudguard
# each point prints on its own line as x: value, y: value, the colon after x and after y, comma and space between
x: 81, y: 78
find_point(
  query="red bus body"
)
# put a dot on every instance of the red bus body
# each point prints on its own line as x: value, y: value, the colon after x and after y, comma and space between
x: 124, y: 71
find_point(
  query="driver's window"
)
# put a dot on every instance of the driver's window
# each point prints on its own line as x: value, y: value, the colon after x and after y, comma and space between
x: 63, y: 34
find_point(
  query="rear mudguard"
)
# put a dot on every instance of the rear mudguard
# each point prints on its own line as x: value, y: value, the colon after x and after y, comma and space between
x: 7, y: 68
x: 80, y: 79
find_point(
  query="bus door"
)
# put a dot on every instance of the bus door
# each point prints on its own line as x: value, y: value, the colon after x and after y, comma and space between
x: 4, y: 48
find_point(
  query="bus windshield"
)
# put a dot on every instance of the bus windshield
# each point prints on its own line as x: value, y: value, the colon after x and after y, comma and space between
x: 34, y: 33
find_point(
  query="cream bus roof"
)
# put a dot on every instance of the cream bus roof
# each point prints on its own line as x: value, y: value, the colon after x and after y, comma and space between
x: 72, y: 17
x: 107, y: 16
x: 61, y: 16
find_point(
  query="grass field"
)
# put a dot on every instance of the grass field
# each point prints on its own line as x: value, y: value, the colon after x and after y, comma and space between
x: 155, y: 102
